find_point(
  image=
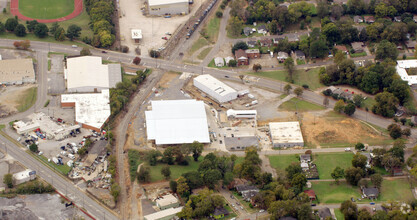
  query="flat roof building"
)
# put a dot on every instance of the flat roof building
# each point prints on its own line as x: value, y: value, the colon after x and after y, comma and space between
x: 241, y: 113
x: 286, y: 134
x: 402, y: 66
x: 23, y: 176
x: 216, y: 89
x: 92, y: 110
x: 89, y: 74
x: 136, y: 35
x: 240, y: 143
x: 17, y: 71
x: 177, y: 122
x: 171, y: 7
x: 167, y: 201
x: 166, y: 214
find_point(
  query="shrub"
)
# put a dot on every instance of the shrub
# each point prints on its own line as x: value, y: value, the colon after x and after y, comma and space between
x: 124, y: 49
x: 305, y: 86
x: 219, y: 14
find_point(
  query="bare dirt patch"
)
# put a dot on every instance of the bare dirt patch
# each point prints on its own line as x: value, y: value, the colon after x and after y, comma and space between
x: 166, y: 79
x: 10, y: 97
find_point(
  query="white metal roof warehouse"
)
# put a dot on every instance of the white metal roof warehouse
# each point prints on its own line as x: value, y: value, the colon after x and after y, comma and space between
x: 177, y: 122
x: 215, y: 88
x: 286, y: 134
x: 402, y: 66
x: 88, y: 74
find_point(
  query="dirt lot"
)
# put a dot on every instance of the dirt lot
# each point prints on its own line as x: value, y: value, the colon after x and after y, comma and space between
x: 9, y: 98
x: 153, y: 28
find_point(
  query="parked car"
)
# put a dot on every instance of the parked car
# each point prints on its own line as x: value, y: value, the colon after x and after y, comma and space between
x: 347, y: 149
x: 103, y: 51
x: 74, y: 46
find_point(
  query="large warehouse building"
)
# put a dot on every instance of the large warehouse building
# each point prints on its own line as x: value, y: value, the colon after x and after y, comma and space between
x: 17, y: 72
x: 177, y: 122
x: 91, y: 109
x: 286, y: 134
x: 168, y: 7
x: 89, y: 74
x: 403, y: 66
x: 216, y: 89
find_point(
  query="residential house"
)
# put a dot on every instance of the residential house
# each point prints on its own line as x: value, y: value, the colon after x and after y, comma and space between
x: 253, y: 53
x: 397, y: 18
x: 300, y: 55
x: 244, y: 188
x: 247, y: 31
x: 311, y: 194
x: 228, y: 59
x: 220, y: 212
x: 251, y: 43
x: 262, y: 29
x: 414, y: 119
x: 369, y: 19
x: 247, y: 196
x: 399, y: 46
x: 282, y: 56
x: 241, y: 57
x: 325, y: 213
x: 341, y: 48
x: 277, y: 40
x: 410, y: 44
x: 340, y: 2
x: 219, y: 61
x: 370, y: 193
x: 358, y: 47
x: 357, y: 19
x: 305, y: 158
x: 368, y: 158
x: 304, y: 166
x: 266, y: 42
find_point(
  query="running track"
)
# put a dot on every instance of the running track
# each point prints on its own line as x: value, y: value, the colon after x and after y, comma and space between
x: 78, y: 8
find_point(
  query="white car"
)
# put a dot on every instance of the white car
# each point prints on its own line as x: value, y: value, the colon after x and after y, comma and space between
x: 347, y: 149
x: 262, y: 210
x: 74, y: 46
x: 40, y: 153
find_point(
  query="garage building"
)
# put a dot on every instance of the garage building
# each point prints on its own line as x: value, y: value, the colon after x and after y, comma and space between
x: 168, y: 7
x: 177, y: 122
x: 89, y: 74
x: 166, y: 214
x: 216, y: 89
x: 17, y: 72
x: 286, y: 134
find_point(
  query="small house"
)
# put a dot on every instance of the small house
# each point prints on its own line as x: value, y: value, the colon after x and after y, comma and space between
x: 410, y: 44
x: 282, y: 56
x: 241, y: 57
x: 369, y: 19
x: 219, y: 61
x: 311, y: 194
x: 247, y: 196
x: 244, y: 188
x: 228, y: 59
x: 399, y: 47
x: 293, y: 38
x: 325, y: 213
x: 300, y: 55
x: 305, y: 158
x: 358, y: 47
x: 266, y: 42
x: 220, y: 212
x: 357, y: 19
x: 368, y: 158
x: 370, y: 193
x: 253, y: 53
x: 262, y: 29
x: 247, y: 31
x: 341, y: 48
x: 397, y: 18
x: 251, y: 43
x: 304, y: 166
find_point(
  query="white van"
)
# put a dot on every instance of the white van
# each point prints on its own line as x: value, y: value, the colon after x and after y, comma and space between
x: 71, y: 156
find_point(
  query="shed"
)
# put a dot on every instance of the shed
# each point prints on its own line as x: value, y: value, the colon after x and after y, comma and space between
x: 167, y: 201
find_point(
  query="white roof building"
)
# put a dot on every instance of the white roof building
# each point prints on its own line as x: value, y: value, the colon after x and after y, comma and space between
x: 219, y: 61
x: 17, y: 71
x: 162, y: 7
x: 402, y: 66
x: 241, y: 113
x: 167, y: 201
x: 286, y: 134
x: 136, y: 34
x: 177, y: 122
x: 164, y: 214
x: 91, y: 109
x: 23, y: 176
x: 228, y: 59
x: 88, y: 74
x: 216, y: 89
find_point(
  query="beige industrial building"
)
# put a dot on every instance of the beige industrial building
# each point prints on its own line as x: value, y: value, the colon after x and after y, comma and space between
x: 168, y: 7
x: 166, y: 214
x: 17, y: 72
x: 167, y: 201
x: 24, y: 176
x: 216, y: 89
x: 286, y: 134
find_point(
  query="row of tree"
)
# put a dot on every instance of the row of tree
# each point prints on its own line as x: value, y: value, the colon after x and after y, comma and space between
x: 101, y: 15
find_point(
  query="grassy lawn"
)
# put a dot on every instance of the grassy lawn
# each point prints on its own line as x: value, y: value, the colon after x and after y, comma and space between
x: 296, y: 104
x: 301, y: 77
x: 49, y: 65
x: 201, y: 42
x: 239, y: 160
x: 339, y: 214
x: 398, y: 189
x: 358, y: 54
x: 327, y: 162
x: 231, y: 214
x: 46, y: 9
x: 204, y: 53
x: 64, y: 169
x: 330, y: 192
x: 2, y: 126
x: 134, y: 161
x: 368, y: 103
x: 212, y: 29
x: 27, y: 99
x: 281, y: 162
x: 176, y: 170
x: 301, y: 62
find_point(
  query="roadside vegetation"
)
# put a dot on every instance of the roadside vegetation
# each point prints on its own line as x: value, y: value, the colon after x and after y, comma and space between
x: 299, y: 105
x: 27, y: 99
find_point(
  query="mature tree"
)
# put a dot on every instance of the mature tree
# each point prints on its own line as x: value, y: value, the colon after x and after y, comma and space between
x: 41, y: 30
x: 363, y: 183
x: 196, y: 149
x: 385, y: 104
x: 20, y: 30
x: 406, y: 132
x: 400, y: 30
x: 363, y: 36
x: 59, y: 34
x: 331, y: 32
x: 386, y: 49
x: 144, y: 175
x: 281, y: 208
x: 349, y: 210
x: 273, y: 27
x: 304, y: 211
x: 390, y: 162
x: 338, y: 173
x: 319, y: 49
x: 211, y: 178
x: 166, y: 171
x: 357, y: 100
x: 73, y: 31
x: 289, y: 66
x: 359, y: 146
x: 2, y: 28
x: 298, y: 181
x: 54, y: 28
x: 152, y: 157
x: 292, y: 170
x: 168, y: 156
x: 23, y: 45
x: 336, y: 11
x: 349, y: 109
x: 11, y: 24
x: 136, y: 60
x: 339, y: 106
x: 322, y: 9
x: 287, y: 88
x: 376, y: 180
x: 31, y: 25
x: 8, y: 180
x: 85, y: 52
x: 353, y: 175
x: 298, y: 91
x: 359, y: 160
x: 256, y: 67
x: 364, y: 214
x: 235, y: 26
x: 33, y: 147
x: 394, y: 131
x: 397, y: 149
x: 239, y: 45
x: 173, y: 185
x: 182, y: 186
x: 194, y: 179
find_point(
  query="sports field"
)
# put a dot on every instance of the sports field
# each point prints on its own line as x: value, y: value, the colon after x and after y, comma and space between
x: 46, y: 9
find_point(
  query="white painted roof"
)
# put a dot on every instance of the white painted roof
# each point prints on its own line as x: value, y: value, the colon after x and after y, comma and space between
x: 162, y: 214
x: 165, y: 2
x: 214, y: 84
x: 286, y: 132
x: 232, y: 112
x: 136, y: 34
x: 90, y: 108
x: 167, y: 200
x: 88, y: 71
x: 177, y: 122
x: 402, y: 66
x: 16, y: 70
x: 22, y: 175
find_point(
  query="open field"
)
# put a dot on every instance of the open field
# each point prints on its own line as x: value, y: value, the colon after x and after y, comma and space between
x: 358, y: 54
x: 204, y: 53
x: 176, y: 170
x: 398, y: 189
x: 46, y: 9
x: 201, y: 42
x: 339, y: 214
x: 330, y: 192
x: 299, y: 105
x: 280, y: 162
x: 327, y: 162
x: 27, y: 99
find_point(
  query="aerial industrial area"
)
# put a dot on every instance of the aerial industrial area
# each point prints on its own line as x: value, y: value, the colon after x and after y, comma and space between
x: 208, y: 109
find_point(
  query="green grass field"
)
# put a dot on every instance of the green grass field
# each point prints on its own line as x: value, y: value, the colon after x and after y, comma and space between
x: 2, y: 126
x: 398, y: 189
x: 309, y: 77
x: 201, y: 42
x: 368, y: 103
x: 46, y: 9
x: 176, y: 170
x: 296, y: 104
x: 327, y: 162
x: 339, y: 214
x: 64, y: 169
x: 330, y: 192
x: 212, y: 29
x: 27, y: 99
x: 301, y: 62
x: 358, y: 54
x: 204, y: 53
x: 280, y: 162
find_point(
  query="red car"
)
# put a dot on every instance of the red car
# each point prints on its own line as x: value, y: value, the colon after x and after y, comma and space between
x: 165, y: 38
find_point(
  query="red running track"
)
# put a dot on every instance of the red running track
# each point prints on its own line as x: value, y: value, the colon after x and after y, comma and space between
x: 78, y: 8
